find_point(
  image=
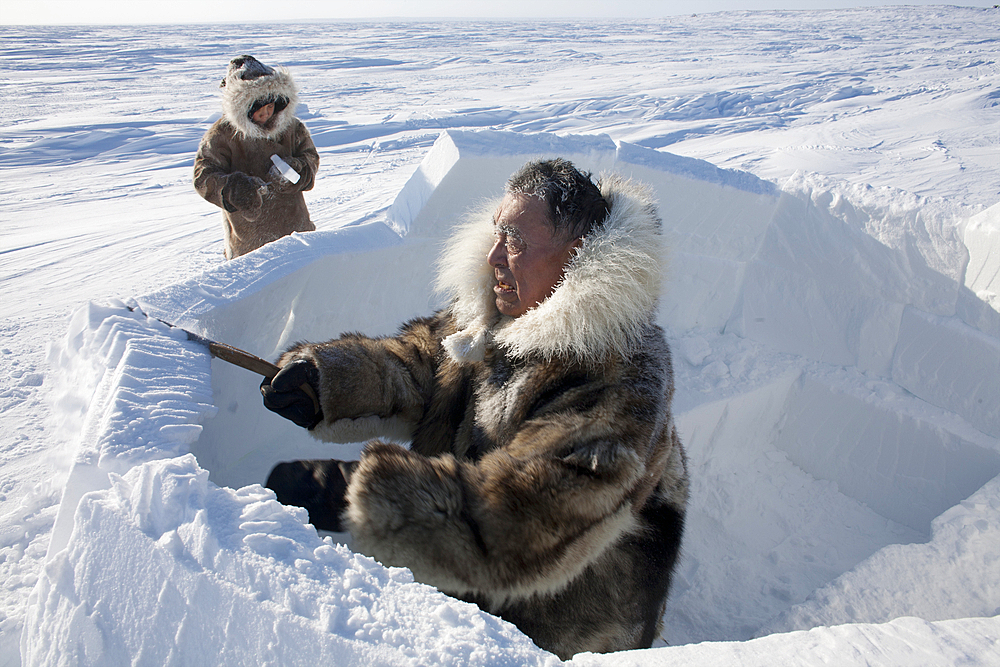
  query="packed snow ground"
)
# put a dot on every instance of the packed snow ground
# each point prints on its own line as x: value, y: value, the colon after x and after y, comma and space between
x: 895, y: 109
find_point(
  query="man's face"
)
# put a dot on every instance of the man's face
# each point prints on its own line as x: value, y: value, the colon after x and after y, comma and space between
x: 263, y: 114
x: 527, y: 258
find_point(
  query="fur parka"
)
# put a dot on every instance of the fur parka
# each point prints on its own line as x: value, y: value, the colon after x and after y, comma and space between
x: 545, y: 480
x: 234, y: 162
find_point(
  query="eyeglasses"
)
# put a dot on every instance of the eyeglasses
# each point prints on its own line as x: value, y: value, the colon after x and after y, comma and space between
x: 513, y: 242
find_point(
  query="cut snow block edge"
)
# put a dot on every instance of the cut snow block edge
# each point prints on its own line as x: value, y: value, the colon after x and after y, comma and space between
x: 952, y: 365
x: 982, y: 237
x: 148, y: 403
x: 184, y: 303
x: 905, y: 459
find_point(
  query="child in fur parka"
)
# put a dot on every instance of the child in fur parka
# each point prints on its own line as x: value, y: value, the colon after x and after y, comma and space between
x: 545, y: 480
x: 234, y: 169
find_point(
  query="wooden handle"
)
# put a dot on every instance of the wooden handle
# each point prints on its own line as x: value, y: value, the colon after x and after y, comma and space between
x: 238, y: 357
x: 255, y: 364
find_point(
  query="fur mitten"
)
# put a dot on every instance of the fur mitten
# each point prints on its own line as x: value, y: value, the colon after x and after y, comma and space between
x: 278, y: 184
x: 285, y: 393
x: 318, y: 486
x: 241, y: 192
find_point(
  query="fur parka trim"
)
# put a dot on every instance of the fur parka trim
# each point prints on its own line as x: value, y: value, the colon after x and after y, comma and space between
x: 600, y: 308
x: 239, y: 95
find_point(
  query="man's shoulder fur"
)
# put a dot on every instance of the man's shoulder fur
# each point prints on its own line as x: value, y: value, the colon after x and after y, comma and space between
x: 602, y: 306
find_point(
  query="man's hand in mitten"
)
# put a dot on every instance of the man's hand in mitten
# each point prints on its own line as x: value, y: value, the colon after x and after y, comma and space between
x: 318, y: 486
x: 286, y: 395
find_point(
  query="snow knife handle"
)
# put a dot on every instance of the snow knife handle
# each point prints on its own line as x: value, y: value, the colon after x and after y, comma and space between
x: 238, y: 357
x: 251, y: 362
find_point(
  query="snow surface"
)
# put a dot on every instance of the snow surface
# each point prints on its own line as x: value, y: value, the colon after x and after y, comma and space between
x: 828, y: 183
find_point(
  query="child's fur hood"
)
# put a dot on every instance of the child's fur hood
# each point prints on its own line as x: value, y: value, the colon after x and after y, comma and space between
x: 239, y: 95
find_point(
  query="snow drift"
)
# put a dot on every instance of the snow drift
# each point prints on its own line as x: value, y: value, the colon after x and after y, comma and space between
x: 838, y: 383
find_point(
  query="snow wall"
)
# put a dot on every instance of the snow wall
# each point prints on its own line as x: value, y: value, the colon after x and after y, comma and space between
x: 837, y: 371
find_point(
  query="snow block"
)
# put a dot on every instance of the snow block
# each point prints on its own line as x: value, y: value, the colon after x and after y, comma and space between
x: 437, y: 194
x: 795, y: 482
x: 896, y: 456
x: 699, y: 292
x: 982, y: 237
x: 914, y: 579
x: 948, y: 363
x: 821, y: 287
x: 706, y: 211
x: 794, y: 313
x: 186, y: 303
x: 149, y: 403
x: 737, y: 532
x: 373, y: 291
x: 660, y: 162
x: 714, y: 221
x: 979, y: 303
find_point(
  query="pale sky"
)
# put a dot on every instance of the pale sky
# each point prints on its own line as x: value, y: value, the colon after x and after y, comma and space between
x: 21, y: 12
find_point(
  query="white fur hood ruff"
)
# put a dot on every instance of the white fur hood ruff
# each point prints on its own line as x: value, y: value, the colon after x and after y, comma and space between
x: 602, y: 305
x: 238, y: 97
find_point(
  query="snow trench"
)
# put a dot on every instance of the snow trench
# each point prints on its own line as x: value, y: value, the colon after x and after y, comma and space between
x: 837, y: 393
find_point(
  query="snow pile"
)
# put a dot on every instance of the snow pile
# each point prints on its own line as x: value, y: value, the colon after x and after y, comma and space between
x: 168, y: 554
x: 837, y: 392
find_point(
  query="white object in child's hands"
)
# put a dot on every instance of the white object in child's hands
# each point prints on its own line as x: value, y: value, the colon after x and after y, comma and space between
x: 285, y: 169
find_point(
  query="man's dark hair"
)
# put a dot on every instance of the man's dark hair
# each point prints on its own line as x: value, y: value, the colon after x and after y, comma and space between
x: 575, y: 203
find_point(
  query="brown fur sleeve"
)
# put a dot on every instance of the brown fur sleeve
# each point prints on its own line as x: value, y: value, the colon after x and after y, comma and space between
x: 526, y: 518
x: 304, y: 158
x: 212, y: 164
x: 371, y: 385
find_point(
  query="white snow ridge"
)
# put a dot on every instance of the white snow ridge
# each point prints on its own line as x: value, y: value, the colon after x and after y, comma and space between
x: 836, y: 341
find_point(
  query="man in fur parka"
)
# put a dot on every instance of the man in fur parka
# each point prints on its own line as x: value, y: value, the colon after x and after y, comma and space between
x: 545, y: 480
x: 233, y: 168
